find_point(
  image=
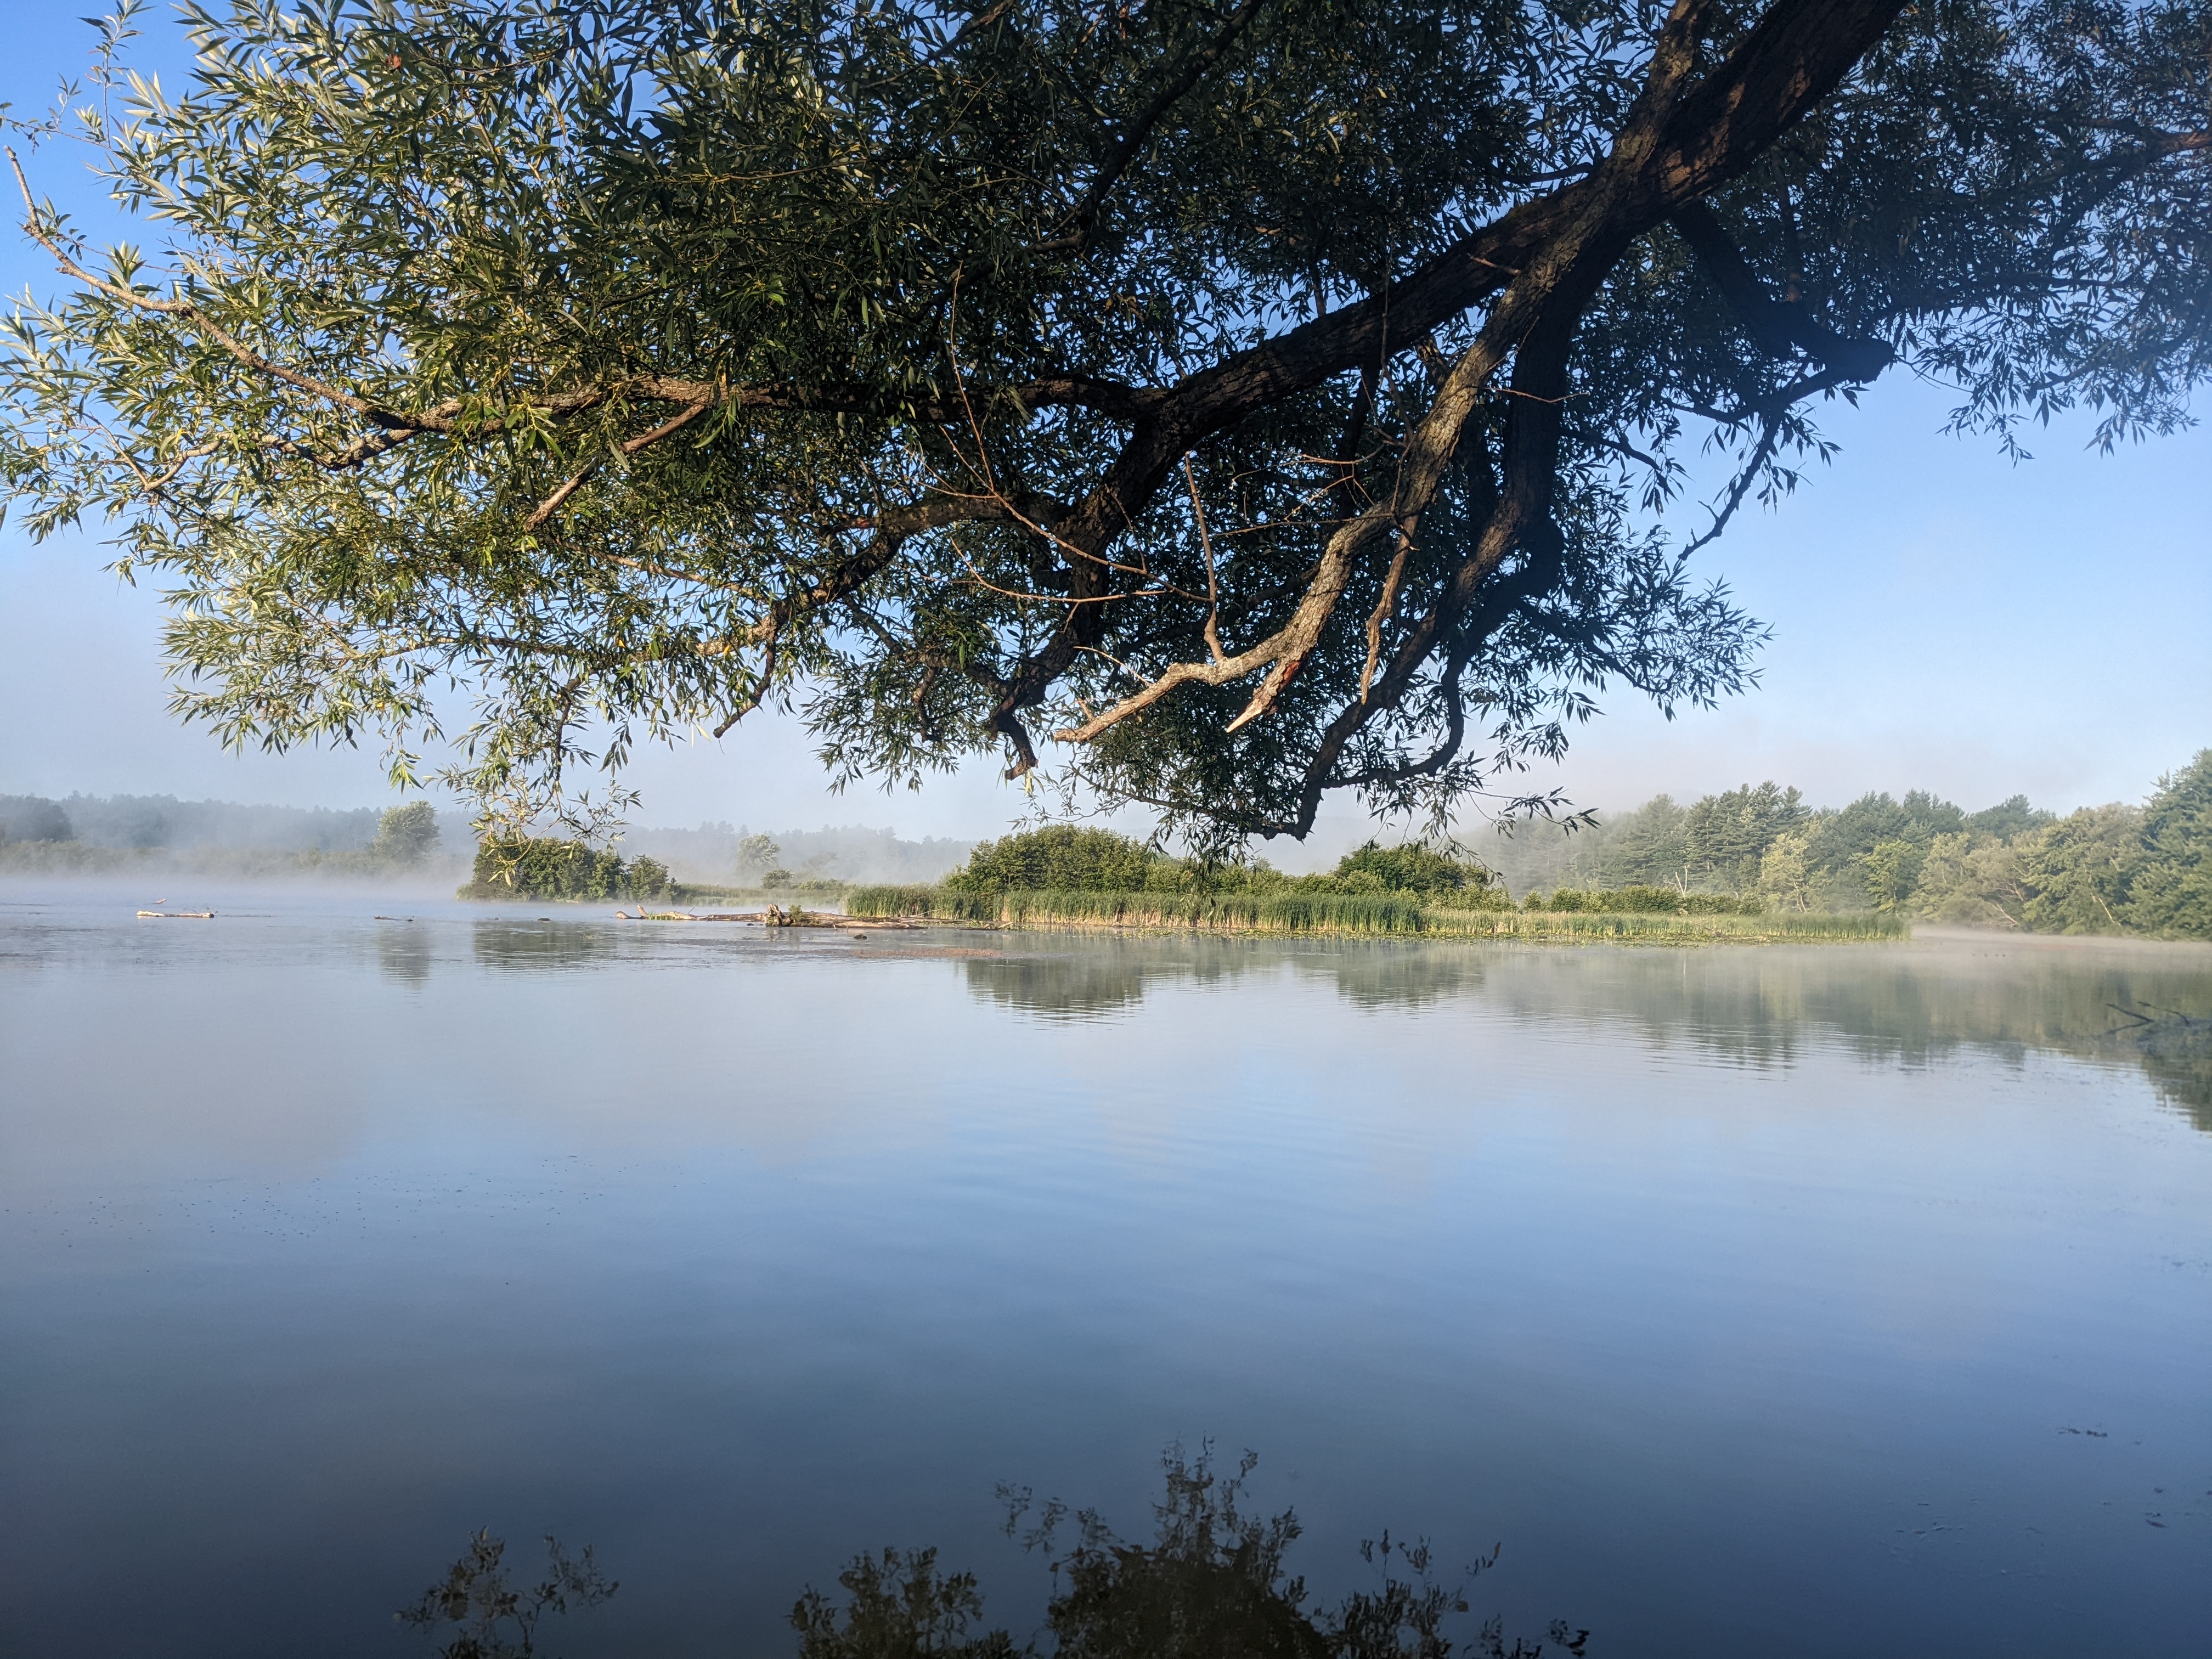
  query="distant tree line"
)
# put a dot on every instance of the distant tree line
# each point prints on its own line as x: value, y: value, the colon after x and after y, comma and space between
x: 721, y: 852
x: 90, y: 834
x: 143, y: 822
x: 2116, y: 869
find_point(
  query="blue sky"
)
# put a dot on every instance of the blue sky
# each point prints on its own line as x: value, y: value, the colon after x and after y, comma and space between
x: 1944, y: 618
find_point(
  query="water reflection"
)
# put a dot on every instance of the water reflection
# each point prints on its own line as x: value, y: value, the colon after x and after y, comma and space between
x: 403, y: 955
x: 2177, y: 1051
x: 2146, y: 1006
x: 1087, y: 985
x: 1630, y: 1257
x: 482, y: 1616
x: 513, y: 944
x: 1212, y: 1584
x: 1098, y: 978
x: 1378, y: 974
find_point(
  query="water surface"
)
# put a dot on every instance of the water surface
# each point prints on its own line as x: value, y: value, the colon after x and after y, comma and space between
x: 1822, y: 1301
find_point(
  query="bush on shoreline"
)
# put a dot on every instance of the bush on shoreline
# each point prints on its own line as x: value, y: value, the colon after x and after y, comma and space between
x: 542, y: 867
x: 1643, y: 902
x: 1069, y: 859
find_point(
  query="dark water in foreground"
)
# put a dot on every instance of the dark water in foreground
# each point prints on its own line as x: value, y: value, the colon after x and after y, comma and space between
x: 1830, y: 1301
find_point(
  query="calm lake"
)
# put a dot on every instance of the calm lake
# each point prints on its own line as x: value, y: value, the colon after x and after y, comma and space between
x: 1814, y: 1301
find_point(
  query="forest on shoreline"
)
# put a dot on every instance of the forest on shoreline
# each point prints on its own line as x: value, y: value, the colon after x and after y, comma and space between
x: 2118, y: 869
x: 1757, y: 850
x: 2121, y: 869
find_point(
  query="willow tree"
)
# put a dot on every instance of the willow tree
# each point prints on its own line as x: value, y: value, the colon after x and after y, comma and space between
x: 1221, y: 406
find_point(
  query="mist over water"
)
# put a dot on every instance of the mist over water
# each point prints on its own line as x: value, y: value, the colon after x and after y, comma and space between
x: 1819, y: 1301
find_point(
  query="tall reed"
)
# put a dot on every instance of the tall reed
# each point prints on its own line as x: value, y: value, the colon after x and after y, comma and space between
x: 1321, y: 913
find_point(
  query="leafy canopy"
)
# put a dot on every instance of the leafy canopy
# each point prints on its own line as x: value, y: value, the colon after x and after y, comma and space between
x: 1260, y: 402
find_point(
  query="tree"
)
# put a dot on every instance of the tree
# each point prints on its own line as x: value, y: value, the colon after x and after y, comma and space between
x: 2010, y: 817
x: 1413, y: 869
x: 544, y: 868
x: 1725, y: 836
x: 2172, y: 893
x: 1973, y: 880
x: 1877, y: 843
x: 1649, y: 847
x: 2079, y: 870
x: 1262, y: 402
x: 33, y: 817
x: 406, y: 834
x: 756, y: 854
x: 1059, y: 858
x: 1784, y: 872
x: 1890, y: 869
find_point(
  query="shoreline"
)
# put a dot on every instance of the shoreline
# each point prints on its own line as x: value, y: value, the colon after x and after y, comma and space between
x: 1336, y: 915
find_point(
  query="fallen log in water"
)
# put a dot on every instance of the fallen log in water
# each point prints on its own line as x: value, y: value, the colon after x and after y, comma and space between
x: 188, y: 915
x: 774, y: 917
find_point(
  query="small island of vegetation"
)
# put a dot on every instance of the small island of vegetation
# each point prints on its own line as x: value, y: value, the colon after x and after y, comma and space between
x: 1061, y: 876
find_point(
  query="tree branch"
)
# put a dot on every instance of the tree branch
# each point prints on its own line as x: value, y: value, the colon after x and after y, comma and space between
x: 1775, y: 325
x: 1085, y: 218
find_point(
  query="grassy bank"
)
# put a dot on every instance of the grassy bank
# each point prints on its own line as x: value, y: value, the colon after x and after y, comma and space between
x: 813, y: 894
x: 1314, y: 912
x: 1556, y: 926
x: 1243, y: 912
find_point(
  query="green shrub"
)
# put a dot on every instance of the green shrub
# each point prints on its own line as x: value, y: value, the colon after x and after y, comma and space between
x: 1059, y: 858
x: 1642, y: 901
x: 1410, y: 871
x: 1719, y: 905
x: 542, y: 867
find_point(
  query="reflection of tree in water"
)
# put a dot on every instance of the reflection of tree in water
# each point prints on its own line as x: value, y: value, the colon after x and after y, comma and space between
x: 1099, y: 977
x: 2142, y: 1005
x: 2176, y: 1049
x: 521, y: 946
x: 1113, y: 975
x: 1381, y: 975
x: 1212, y: 1584
x: 403, y: 955
x: 489, y: 1618
x: 1079, y: 987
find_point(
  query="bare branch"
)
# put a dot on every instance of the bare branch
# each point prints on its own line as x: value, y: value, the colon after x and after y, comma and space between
x: 1206, y: 545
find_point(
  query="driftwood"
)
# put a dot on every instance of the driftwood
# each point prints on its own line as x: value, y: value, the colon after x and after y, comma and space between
x: 775, y: 917
x: 190, y: 915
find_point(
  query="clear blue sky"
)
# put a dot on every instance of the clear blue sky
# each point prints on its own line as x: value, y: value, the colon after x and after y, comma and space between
x: 1944, y: 619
